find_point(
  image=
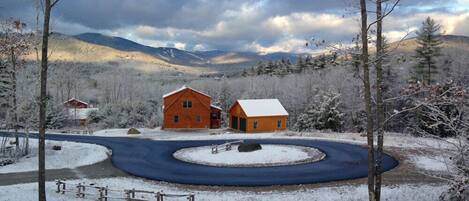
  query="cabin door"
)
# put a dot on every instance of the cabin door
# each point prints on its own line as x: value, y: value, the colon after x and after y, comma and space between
x: 234, y: 122
x: 242, y: 124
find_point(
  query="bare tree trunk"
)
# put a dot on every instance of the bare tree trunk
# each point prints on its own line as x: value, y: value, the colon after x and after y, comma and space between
x: 43, y: 102
x: 379, y: 96
x: 14, y: 100
x: 366, y: 83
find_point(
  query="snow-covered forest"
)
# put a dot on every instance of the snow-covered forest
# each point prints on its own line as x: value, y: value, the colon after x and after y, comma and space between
x: 385, y: 92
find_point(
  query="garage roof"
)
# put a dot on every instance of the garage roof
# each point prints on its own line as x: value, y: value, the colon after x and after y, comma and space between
x: 262, y: 107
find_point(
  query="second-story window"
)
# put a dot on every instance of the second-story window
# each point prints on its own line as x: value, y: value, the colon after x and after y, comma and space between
x: 187, y: 104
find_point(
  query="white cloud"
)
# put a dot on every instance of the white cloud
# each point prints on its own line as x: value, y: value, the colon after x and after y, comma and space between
x: 179, y: 45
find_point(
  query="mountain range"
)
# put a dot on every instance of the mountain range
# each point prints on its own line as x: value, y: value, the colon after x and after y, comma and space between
x: 102, y: 50
x: 218, y: 59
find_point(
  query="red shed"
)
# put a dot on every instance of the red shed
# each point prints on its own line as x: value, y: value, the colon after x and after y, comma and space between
x: 187, y: 108
x: 75, y: 103
x: 78, y: 111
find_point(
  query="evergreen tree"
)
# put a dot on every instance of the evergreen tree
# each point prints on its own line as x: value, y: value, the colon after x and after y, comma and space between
x: 298, y: 68
x: 428, y: 48
x: 322, y: 114
x: 269, y: 68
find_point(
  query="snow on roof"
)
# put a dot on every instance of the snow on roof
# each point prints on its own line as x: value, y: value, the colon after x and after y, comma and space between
x: 183, y: 88
x: 80, y: 113
x: 74, y: 99
x: 214, y: 106
x: 262, y: 107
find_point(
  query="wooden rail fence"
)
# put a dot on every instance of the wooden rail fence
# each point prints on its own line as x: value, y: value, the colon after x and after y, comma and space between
x: 224, y: 147
x: 103, y: 193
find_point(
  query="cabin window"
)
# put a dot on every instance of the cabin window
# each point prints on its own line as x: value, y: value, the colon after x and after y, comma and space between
x: 187, y: 104
x: 255, y: 124
x: 197, y: 118
x: 176, y: 119
x: 279, y: 124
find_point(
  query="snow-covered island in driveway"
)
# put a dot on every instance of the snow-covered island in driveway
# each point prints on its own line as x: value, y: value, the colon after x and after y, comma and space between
x: 269, y: 155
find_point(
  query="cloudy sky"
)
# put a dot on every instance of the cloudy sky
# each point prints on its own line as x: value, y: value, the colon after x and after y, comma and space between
x: 240, y: 25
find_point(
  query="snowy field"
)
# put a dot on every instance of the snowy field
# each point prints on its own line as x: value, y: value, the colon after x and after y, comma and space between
x: 72, y: 155
x: 269, y: 155
x: 391, y: 139
x: 349, y: 193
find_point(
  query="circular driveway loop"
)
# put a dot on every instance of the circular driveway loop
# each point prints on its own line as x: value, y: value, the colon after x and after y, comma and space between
x: 154, y: 160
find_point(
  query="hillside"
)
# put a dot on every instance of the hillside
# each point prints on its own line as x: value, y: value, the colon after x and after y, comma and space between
x: 69, y: 49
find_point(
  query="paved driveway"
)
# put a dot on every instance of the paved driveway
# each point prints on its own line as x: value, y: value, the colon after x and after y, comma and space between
x: 153, y: 160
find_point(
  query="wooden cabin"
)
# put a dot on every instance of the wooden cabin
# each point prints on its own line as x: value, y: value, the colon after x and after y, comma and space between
x: 78, y: 112
x: 258, y: 115
x: 187, y: 108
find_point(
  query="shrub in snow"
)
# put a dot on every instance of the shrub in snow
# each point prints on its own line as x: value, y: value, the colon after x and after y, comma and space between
x: 6, y: 161
x: 439, y: 109
x: 249, y: 147
x: 323, y: 113
x: 133, y: 131
x: 57, y: 147
x: 459, y: 191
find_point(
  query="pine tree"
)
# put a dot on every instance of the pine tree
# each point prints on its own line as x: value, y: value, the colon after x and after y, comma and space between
x: 428, y: 48
x: 323, y: 113
x: 269, y: 68
x: 298, y: 68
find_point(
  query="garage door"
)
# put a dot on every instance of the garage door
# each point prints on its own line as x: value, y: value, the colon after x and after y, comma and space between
x: 242, y: 124
x: 234, y: 122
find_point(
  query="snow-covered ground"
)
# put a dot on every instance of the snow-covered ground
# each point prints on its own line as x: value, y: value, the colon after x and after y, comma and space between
x: 391, y: 139
x: 269, y: 155
x: 72, y: 155
x: 431, y: 163
x: 350, y: 193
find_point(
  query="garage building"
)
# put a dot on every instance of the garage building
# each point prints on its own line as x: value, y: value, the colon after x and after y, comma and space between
x: 258, y: 115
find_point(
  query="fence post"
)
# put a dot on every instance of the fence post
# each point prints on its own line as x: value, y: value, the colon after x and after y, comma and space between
x: 58, y: 186
x: 127, y: 194
x: 158, y: 196
x: 79, y: 190
x: 101, y: 193
x: 105, y: 194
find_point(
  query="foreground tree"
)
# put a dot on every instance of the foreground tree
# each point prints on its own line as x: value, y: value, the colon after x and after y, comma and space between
x: 367, y: 91
x: 428, y: 48
x: 48, y: 5
x: 13, y: 45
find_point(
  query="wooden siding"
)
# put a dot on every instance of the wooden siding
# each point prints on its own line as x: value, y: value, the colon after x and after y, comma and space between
x: 173, y: 106
x: 264, y: 124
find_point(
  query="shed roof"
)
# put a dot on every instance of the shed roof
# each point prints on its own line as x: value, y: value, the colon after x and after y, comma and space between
x: 74, y: 99
x: 182, y: 89
x: 262, y: 107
